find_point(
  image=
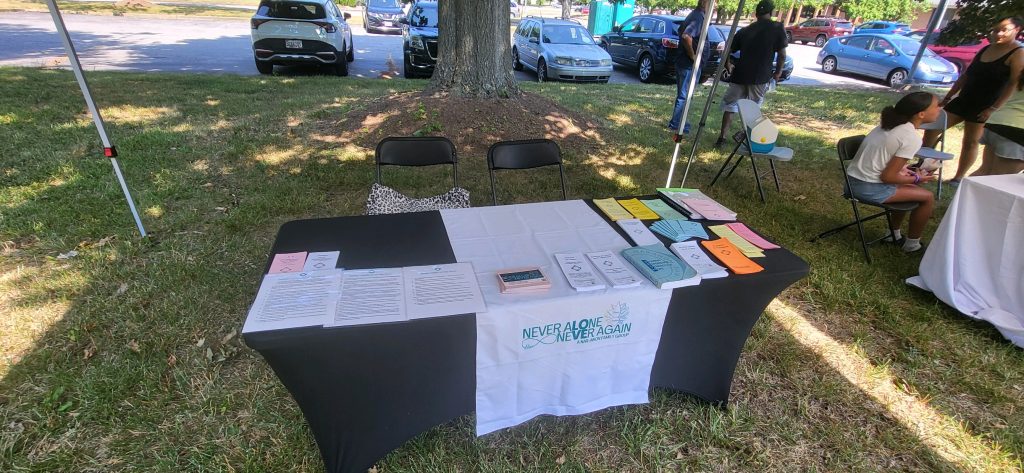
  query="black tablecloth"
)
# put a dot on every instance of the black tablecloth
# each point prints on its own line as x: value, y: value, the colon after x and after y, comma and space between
x: 365, y: 390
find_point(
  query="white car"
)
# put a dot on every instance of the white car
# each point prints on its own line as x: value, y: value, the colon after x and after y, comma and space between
x: 301, y: 32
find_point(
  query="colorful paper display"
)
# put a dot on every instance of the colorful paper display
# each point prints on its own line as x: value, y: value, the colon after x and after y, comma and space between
x: 638, y: 209
x: 731, y: 256
x: 612, y: 209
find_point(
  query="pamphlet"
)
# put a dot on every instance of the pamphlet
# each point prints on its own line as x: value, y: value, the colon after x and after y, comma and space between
x: 579, y: 272
x: 614, y: 269
x: 287, y: 263
x: 731, y: 256
x: 638, y: 209
x: 690, y: 252
x: 612, y: 209
x: 638, y: 232
x: 291, y: 300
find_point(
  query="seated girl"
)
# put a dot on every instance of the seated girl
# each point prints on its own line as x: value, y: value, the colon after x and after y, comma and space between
x: 879, y: 174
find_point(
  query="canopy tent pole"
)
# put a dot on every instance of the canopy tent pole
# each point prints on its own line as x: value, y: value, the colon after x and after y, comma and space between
x: 698, y: 61
x: 714, y: 86
x: 108, y: 149
x: 933, y: 24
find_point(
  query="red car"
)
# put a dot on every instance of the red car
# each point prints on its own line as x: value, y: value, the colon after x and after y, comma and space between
x: 960, y: 55
x: 819, y: 30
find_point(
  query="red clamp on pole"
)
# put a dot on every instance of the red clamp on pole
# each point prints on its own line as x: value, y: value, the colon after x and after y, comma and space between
x: 110, y: 152
x: 677, y: 138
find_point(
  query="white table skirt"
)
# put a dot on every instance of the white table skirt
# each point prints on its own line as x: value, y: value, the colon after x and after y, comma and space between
x: 975, y: 261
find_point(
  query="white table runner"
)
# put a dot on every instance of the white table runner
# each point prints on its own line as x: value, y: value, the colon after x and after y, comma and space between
x: 559, y: 352
x: 975, y: 261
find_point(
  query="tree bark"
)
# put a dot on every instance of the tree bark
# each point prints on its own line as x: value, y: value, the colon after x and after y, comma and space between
x: 474, y: 51
x: 789, y: 14
x: 566, y: 9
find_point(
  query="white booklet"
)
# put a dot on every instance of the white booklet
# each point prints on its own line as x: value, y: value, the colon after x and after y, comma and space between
x: 638, y: 232
x: 611, y: 266
x: 690, y: 252
x: 581, y: 274
x: 398, y: 294
x: 291, y: 300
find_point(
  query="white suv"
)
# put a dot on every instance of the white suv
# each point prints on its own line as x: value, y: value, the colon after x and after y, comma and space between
x: 301, y: 32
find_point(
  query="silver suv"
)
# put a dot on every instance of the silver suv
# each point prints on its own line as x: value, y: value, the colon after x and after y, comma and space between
x: 559, y: 49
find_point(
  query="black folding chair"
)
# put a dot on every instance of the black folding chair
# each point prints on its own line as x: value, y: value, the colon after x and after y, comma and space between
x: 417, y: 151
x: 847, y: 149
x: 524, y: 154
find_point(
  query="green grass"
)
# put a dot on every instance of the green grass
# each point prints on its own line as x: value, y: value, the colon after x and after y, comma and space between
x: 126, y: 357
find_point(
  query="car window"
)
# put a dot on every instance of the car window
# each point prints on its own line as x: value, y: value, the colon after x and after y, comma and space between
x: 844, y: 24
x: 821, y: 23
x: 292, y: 10
x: 806, y: 24
x: 859, y: 42
x: 659, y: 28
x: 882, y: 46
x: 630, y: 25
x: 422, y: 16
x: 384, y: 4
x: 534, y: 32
x: 567, y: 34
x: 646, y: 26
x: 911, y: 47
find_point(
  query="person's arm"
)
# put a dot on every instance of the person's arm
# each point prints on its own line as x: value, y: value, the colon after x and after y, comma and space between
x: 894, y: 173
x: 687, y: 43
x: 1016, y: 68
x: 780, y: 64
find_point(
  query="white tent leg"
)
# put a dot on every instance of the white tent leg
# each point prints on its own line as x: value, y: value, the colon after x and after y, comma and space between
x: 108, y: 149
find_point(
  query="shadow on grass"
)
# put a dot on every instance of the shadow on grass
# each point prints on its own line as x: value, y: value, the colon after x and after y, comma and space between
x: 128, y: 354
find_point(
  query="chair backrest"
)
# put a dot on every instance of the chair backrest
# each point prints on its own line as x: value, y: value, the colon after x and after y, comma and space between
x: 417, y: 151
x: 524, y: 154
x: 750, y: 112
x: 940, y: 123
x: 847, y: 150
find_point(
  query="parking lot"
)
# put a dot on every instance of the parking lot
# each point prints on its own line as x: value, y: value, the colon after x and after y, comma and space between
x: 223, y: 46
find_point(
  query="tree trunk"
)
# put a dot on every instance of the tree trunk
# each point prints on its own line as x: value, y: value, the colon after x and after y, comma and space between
x: 566, y: 9
x: 474, y: 52
x: 789, y: 14
x: 817, y: 10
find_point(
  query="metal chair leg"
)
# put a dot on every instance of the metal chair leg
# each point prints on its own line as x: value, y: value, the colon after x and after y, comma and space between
x: 736, y: 165
x: 888, y: 220
x: 775, y: 175
x: 724, y: 165
x: 939, y: 192
x: 757, y: 179
x: 860, y: 229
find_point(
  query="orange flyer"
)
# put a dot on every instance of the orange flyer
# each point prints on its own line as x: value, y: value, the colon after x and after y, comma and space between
x: 731, y: 256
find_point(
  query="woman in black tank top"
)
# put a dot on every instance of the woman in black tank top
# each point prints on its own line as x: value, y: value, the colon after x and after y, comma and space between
x: 987, y: 83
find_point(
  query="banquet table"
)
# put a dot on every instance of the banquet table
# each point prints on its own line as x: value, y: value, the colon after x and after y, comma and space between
x: 367, y: 389
x: 975, y: 260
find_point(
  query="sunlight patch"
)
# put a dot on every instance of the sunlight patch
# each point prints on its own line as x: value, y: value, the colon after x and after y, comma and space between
x: 277, y: 156
x: 155, y: 211
x: 130, y: 114
x: 944, y: 435
x: 21, y: 329
x: 7, y: 118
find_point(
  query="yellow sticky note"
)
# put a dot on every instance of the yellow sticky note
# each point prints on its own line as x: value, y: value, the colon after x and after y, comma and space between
x: 612, y: 209
x: 638, y: 209
x: 749, y: 249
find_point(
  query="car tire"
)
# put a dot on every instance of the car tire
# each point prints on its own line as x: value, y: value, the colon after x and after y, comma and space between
x: 820, y: 41
x: 351, y: 54
x: 340, y: 68
x: 645, y: 68
x: 789, y: 37
x: 829, y: 65
x: 264, y: 67
x: 896, y: 77
x: 542, y: 70
x: 516, y: 65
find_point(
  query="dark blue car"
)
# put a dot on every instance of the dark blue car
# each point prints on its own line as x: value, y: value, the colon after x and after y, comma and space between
x: 650, y: 43
x: 419, y: 39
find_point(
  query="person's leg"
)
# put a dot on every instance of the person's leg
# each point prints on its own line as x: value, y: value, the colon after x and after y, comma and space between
x: 1006, y: 166
x: 682, y: 82
x: 969, y: 148
x: 729, y: 109
x: 919, y: 216
x: 988, y: 155
x: 726, y: 122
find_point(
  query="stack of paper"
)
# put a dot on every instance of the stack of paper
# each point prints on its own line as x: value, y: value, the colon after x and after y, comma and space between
x: 638, y: 209
x: 709, y: 209
x: 690, y: 252
x: 581, y: 274
x: 687, y: 201
x: 614, y: 269
x: 661, y: 267
x: 749, y: 249
x: 664, y: 210
x: 749, y: 235
x: 638, y: 232
x: 680, y: 230
x: 731, y: 256
x: 523, y: 281
x: 612, y: 209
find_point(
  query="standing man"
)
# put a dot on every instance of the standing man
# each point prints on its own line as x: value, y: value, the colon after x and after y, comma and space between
x: 758, y: 44
x: 689, y: 35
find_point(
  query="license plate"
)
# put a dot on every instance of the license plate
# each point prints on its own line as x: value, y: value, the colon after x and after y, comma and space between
x: 388, y: 23
x: 293, y: 43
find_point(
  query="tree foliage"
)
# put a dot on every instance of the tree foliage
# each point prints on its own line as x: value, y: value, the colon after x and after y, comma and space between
x: 890, y: 10
x: 975, y: 19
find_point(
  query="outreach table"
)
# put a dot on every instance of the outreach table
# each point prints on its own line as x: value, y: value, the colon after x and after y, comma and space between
x: 975, y: 260
x: 365, y: 390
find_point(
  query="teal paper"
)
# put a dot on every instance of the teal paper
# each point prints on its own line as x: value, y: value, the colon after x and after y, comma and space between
x: 659, y: 265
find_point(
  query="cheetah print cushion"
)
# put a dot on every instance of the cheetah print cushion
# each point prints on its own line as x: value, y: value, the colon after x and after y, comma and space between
x: 385, y: 200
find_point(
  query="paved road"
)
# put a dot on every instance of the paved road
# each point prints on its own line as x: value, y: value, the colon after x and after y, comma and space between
x: 222, y: 46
